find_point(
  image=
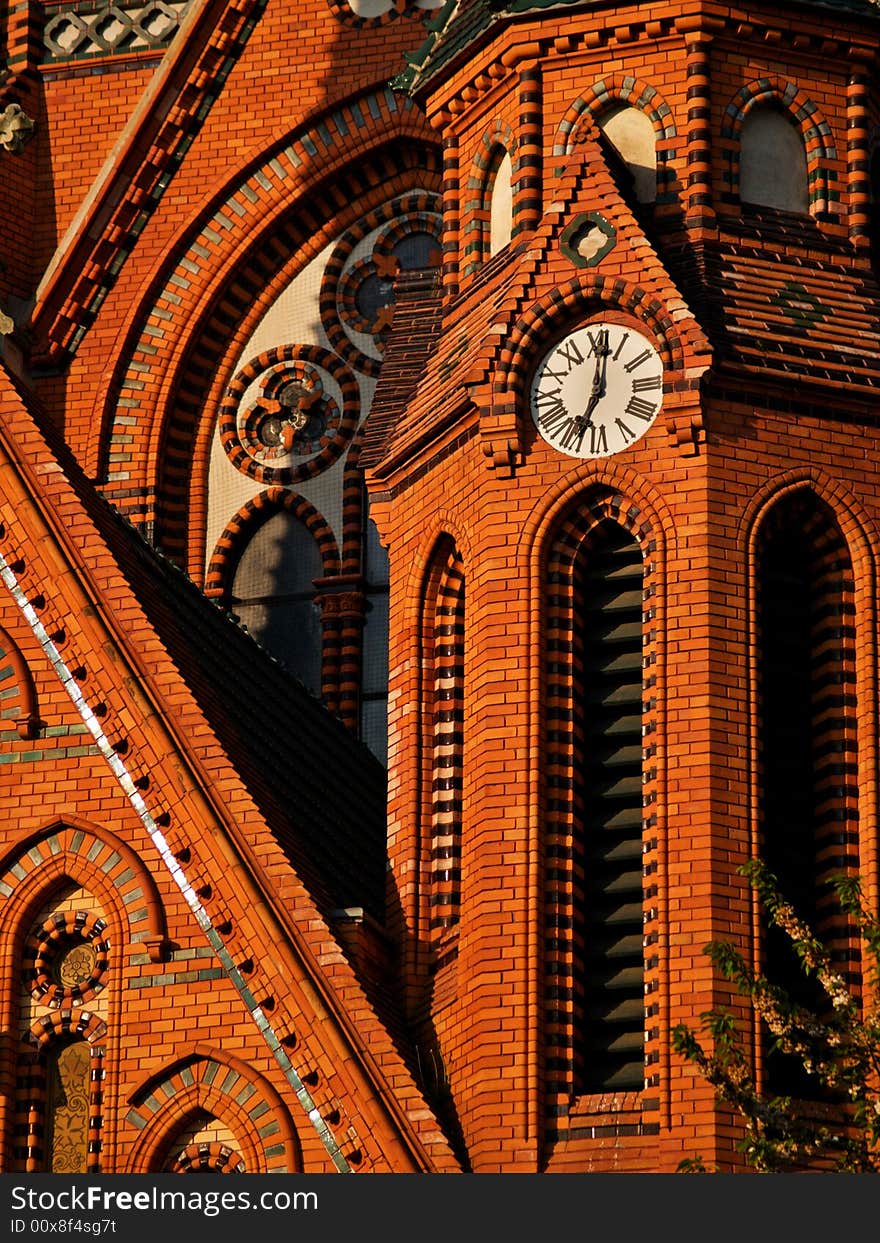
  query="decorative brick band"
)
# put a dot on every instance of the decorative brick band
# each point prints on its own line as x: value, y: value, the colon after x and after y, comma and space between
x: 78, y: 31
x: 815, y: 130
x: 88, y: 262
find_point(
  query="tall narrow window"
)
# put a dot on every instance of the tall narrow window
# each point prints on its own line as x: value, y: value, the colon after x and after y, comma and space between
x: 68, y: 1083
x: 809, y: 817
x: 274, y: 593
x: 65, y: 967
x: 609, y: 982
x: 447, y: 638
x: 374, y: 687
x: 598, y: 801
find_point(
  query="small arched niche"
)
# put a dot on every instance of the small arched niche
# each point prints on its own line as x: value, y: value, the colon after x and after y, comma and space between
x: 773, y: 161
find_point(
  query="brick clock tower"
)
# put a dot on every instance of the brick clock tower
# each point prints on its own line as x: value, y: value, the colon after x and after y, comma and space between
x: 523, y: 407
x: 623, y: 457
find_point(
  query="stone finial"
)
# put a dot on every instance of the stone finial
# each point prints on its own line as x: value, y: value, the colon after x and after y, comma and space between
x: 16, y: 127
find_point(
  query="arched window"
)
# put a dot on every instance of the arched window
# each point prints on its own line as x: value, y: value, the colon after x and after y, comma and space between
x: 808, y: 760
x: 445, y: 637
x: 500, y: 183
x: 631, y: 133
x: 773, y: 161
x: 595, y: 807
x: 273, y: 594
x: 64, y: 970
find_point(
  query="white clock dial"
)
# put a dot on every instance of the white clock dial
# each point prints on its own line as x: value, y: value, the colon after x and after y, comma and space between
x: 598, y: 391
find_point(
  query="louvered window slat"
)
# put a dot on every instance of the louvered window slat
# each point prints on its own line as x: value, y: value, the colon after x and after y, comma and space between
x: 612, y: 976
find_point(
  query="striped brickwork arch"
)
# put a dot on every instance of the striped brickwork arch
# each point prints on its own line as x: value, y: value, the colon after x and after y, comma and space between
x: 222, y: 278
x: 570, y: 547
x: 211, y: 1158
x: 241, y: 529
x: 824, y: 193
x: 225, y: 1088
x: 603, y: 94
x: 97, y: 860
x: 497, y: 141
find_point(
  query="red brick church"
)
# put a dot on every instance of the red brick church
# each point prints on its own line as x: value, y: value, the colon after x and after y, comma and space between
x: 439, y: 536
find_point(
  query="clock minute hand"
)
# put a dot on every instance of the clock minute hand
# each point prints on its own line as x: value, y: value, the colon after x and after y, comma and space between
x: 597, y: 390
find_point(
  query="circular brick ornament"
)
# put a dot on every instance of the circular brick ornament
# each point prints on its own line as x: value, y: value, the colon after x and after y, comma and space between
x: 289, y: 413
x: 357, y: 291
x: 70, y: 959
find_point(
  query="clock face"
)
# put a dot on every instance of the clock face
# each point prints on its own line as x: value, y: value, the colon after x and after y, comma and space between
x: 597, y: 391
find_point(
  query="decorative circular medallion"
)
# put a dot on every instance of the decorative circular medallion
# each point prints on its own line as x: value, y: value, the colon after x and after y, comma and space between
x: 357, y: 290
x: 289, y: 413
x: 597, y: 391
x: 70, y: 960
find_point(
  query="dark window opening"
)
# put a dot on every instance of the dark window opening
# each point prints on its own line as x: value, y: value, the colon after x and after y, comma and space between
x: 808, y: 752
x: 609, y: 973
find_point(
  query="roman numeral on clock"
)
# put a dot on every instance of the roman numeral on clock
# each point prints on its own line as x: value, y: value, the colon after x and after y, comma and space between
x: 635, y: 363
x: 643, y: 384
x: 552, y: 408
x: 626, y: 433
x: 641, y: 409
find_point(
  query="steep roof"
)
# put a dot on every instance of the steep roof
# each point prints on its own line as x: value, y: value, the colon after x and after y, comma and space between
x: 782, y: 299
x: 168, y: 665
x: 285, y: 745
x: 460, y: 23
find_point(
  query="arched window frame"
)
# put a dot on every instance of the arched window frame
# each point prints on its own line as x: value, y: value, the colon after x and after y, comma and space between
x: 799, y: 512
x: 822, y: 157
x: 569, y: 540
